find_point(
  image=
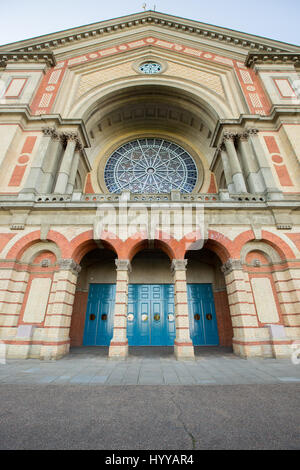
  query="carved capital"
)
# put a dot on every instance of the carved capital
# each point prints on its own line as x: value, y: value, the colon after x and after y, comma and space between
x: 221, y: 147
x: 69, y: 265
x: 229, y: 136
x: 123, y: 265
x: 253, y: 131
x: 243, y: 136
x: 179, y: 265
x: 73, y: 137
x: 50, y: 132
x: 231, y: 265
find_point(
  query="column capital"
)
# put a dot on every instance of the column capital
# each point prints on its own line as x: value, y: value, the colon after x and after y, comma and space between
x: 179, y: 264
x: 231, y: 265
x: 72, y: 137
x: 243, y: 136
x: 123, y: 265
x: 69, y: 265
x: 229, y: 136
x: 252, y: 131
x: 50, y: 132
x: 221, y: 147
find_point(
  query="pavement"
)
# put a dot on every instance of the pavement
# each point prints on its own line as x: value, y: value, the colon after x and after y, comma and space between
x: 150, y: 366
x: 150, y: 402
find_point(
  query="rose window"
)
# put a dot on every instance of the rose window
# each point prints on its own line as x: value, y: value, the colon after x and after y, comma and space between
x: 150, y: 166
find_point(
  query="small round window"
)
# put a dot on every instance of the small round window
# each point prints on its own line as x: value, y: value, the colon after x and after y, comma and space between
x: 150, y: 67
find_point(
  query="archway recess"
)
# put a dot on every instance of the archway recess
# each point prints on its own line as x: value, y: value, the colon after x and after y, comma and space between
x: 143, y: 111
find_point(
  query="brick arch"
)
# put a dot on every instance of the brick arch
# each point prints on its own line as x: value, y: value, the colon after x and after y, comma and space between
x: 139, y: 241
x: 18, y: 249
x: 277, y: 243
x: 221, y: 245
x: 83, y: 243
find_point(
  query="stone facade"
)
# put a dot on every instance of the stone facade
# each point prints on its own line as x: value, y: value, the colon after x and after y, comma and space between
x: 68, y: 100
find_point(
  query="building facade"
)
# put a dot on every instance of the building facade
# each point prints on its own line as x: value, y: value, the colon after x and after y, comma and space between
x: 149, y: 190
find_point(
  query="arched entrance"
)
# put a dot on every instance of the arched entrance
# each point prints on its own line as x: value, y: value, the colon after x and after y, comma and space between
x: 151, y: 309
x: 209, y: 315
x: 92, y: 319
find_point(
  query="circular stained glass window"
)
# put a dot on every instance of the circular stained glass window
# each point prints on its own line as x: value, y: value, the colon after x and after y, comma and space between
x: 151, y: 166
x: 150, y: 67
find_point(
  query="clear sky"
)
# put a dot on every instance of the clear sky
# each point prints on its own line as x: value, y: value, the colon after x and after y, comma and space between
x: 275, y: 19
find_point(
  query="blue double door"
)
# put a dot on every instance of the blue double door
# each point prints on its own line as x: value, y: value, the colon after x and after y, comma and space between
x: 202, y: 315
x: 151, y: 315
x: 98, y: 329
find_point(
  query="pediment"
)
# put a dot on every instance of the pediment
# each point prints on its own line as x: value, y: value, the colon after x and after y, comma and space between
x: 94, y: 35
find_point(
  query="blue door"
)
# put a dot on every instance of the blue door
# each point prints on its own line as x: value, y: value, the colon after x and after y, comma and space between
x: 98, y: 328
x: 202, y: 315
x: 151, y: 316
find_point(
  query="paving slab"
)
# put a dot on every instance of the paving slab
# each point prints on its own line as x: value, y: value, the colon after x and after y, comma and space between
x: 150, y: 366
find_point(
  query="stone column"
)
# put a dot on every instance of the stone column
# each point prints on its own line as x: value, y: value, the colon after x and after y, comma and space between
x: 52, y: 164
x: 119, y: 343
x: 254, y: 179
x: 73, y: 173
x: 66, y: 163
x: 264, y: 169
x: 183, y: 346
x: 242, y: 310
x: 236, y: 170
x: 33, y: 184
x: 56, y: 340
x: 227, y: 169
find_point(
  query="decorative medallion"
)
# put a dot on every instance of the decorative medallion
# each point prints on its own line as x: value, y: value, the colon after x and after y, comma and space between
x: 151, y: 166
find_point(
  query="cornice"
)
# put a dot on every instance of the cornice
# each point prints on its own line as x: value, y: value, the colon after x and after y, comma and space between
x: 7, y: 56
x: 277, y: 113
x: 193, y: 28
x: 272, y: 58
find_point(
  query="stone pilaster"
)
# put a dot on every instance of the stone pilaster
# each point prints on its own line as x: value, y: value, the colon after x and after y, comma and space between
x: 264, y: 169
x: 33, y: 184
x: 56, y: 341
x: 242, y: 310
x: 118, y: 348
x: 183, y: 346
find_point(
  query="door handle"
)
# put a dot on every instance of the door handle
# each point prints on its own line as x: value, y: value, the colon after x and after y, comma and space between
x: 208, y: 316
x: 156, y: 317
x: 92, y: 316
x: 197, y: 316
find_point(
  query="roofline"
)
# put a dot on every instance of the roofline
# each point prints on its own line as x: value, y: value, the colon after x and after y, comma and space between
x: 152, y: 17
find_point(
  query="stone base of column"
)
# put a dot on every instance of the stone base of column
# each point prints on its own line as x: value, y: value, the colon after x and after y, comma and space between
x: 118, y: 350
x: 184, y: 351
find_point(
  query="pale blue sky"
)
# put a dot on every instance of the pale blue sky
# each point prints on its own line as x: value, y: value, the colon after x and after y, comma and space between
x: 275, y: 19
